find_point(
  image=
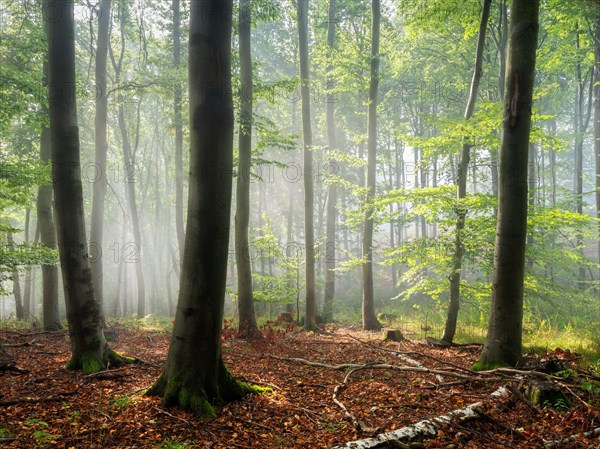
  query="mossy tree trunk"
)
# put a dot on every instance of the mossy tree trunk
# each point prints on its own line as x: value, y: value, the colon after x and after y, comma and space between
x: 89, y: 350
x: 195, y: 377
x: 504, y: 339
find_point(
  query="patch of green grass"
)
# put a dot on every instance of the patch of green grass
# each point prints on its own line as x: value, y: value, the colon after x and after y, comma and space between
x: 122, y: 402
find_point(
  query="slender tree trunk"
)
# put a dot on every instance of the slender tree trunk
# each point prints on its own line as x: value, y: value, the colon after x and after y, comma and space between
x: 330, y: 246
x: 89, y: 350
x: 129, y: 168
x: 178, y: 130
x: 247, y: 325
x: 101, y: 151
x: 531, y: 195
x: 596, y: 97
x: 463, y: 166
x: 195, y: 376
x: 369, y: 318
x: 581, y: 125
x: 27, y: 281
x: 15, y: 281
x: 50, y: 313
x: 310, y: 320
x: 503, y: 345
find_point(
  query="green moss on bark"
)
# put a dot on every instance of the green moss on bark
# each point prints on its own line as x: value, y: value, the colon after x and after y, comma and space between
x: 481, y: 365
x: 185, y: 391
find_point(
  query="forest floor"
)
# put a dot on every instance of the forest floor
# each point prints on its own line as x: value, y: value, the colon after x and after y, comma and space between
x: 51, y: 407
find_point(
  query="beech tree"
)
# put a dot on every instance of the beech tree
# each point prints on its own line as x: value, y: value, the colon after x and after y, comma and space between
x: 89, y: 349
x: 195, y: 377
x: 503, y: 345
x: 247, y: 324
x: 461, y: 187
x: 369, y: 318
x: 101, y: 149
x: 310, y: 319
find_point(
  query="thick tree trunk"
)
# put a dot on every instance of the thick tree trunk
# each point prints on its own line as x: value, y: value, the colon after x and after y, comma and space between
x: 369, y: 318
x: 463, y: 166
x: 310, y: 320
x: 330, y: 232
x: 247, y: 325
x: 504, y: 339
x: 101, y: 150
x: 195, y: 376
x: 89, y: 350
x: 178, y: 131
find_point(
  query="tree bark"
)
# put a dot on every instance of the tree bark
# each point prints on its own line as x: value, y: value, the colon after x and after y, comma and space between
x: 15, y: 281
x: 50, y: 313
x: 195, y: 377
x: 330, y: 245
x: 463, y: 166
x: 596, y: 97
x: 310, y: 320
x: 369, y: 318
x: 247, y: 324
x: 101, y: 150
x: 503, y: 344
x: 129, y: 179
x: 89, y: 349
x: 178, y: 130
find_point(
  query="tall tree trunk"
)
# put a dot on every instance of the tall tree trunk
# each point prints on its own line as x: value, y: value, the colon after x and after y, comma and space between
x: 532, y: 186
x: 369, y: 318
x: 50, y: 313
x: 330, y: 246
x: 178, y: 130
x: 581, y: 124
x: 310, y: 320
x: 129, y: 167
x: 463, y: 166
x: 503, y: 344
x: 89, y: 350
x: 247, y: 325
x: 195, y: 376
x: 596, y: 97
x: 101, y: 150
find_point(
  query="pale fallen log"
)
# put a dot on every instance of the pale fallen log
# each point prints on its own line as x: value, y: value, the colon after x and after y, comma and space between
x: 422, y: 429
x: 558, y: 443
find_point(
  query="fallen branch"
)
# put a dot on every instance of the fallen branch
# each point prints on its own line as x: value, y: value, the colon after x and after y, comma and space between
x: 487, y: 376
x: 358, y: 426
x: 515, y: 391
x: 60, y: 397
x: 556, y: 443
x: 428, y: 427
x: 20, y: 345
x: 10, y: 366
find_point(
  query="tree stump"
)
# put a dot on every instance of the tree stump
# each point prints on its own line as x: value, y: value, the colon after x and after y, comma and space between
x: 393, y: 335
